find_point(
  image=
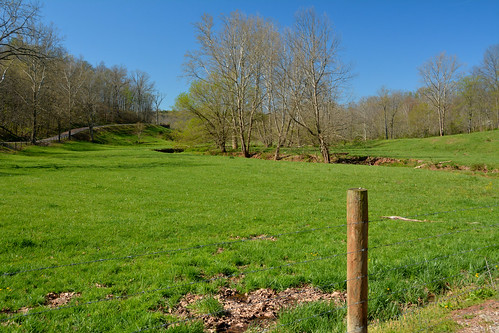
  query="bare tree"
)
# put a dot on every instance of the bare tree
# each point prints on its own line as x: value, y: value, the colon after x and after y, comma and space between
x: 439, y: 75
x: 489, y: 70
x: 72, y: 80
x: 469, y: 93
x: 384, y: 103
x: 117, y: 80
x: 235, y: 53
x: 281, y: 93
x: 158, y: 98
x: 142, y: 89
x: 17, y: 25
x: 93, y: 82
x: 35, y: 70
x: 319, y: 73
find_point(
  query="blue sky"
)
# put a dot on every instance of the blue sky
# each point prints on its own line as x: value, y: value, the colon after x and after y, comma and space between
x: 385, y: 41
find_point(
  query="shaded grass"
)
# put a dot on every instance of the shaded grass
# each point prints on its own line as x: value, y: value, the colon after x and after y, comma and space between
x: 79, y: 202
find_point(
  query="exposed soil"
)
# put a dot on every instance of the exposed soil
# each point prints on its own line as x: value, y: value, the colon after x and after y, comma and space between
x: 54, y: 300
x: 478, y: 318
x: 260, y: 307
x: 345, y: 158
x: 170, y: 150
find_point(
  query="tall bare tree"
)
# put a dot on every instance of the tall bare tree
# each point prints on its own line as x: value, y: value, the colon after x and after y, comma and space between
x: 319, y: 73
x: 235, y: 52
x: 439, y: 75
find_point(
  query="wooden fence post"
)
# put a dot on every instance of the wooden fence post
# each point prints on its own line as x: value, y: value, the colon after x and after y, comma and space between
x: 357, y: 227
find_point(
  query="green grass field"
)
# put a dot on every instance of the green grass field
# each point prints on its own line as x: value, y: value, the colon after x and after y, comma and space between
x: 80, y: 202
x: 473, y: 150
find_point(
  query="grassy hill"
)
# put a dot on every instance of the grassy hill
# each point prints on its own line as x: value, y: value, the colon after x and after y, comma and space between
x: 475, y: 149
x: 125, y: 135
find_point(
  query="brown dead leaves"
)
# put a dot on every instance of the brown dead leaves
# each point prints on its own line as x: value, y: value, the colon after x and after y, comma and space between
x: 54, y: 300
x: 259, y: 307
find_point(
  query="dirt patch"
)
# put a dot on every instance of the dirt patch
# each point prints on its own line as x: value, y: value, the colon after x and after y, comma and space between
x: 54, y: 300
x: 478, y: 318
x: 363, y: 160
x: 261, y: 307
x: 345, y: 158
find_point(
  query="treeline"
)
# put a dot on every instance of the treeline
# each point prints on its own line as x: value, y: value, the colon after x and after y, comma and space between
x: 451, y: 101
x: 255, y: 81
x: 45, y: 91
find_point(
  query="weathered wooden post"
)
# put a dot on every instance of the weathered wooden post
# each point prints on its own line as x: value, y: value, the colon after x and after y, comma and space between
x: 357, y: 226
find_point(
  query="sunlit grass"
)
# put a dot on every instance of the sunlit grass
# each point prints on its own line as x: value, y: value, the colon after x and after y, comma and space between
x: 80, y: 202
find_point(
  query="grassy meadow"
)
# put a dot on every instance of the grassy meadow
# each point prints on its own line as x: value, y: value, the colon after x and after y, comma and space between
x: 79, y: 202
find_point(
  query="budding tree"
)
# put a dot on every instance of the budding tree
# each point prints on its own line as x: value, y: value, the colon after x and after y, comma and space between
x: 235, y: 52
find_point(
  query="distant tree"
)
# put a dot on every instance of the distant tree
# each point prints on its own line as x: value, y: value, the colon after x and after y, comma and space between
x: 142, y: 89
x: 116, y: 82
x: 469, y: 93
x: 384, y: 103
x: 439, y: 75
x: 94, y: 83
x: 158, y: 98
x: 72, y: 80
x: 489, y: 71
x: 367, y: 118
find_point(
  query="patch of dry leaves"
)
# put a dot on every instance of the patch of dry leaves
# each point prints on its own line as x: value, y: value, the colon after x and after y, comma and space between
x: 54, y: 300
x: 260, y: 307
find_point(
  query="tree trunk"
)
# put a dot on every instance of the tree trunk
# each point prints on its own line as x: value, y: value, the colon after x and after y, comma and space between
x: 59, y: 130
x: 324, y: 150
x: 234, y: 142
x: 221, y: 146
x: 277, y: 150
x: 91, y: 130
x: 386, y: 123
x: 244, y: 148
x: 34, y: 120
x: 33, y: 126
x: 440, y: 122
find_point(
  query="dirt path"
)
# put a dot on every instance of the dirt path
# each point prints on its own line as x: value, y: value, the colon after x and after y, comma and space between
x: 478, y: 318
x: 65, y: 135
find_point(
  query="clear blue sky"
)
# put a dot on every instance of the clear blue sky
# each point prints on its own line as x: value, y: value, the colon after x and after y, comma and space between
x: 385, y: 41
